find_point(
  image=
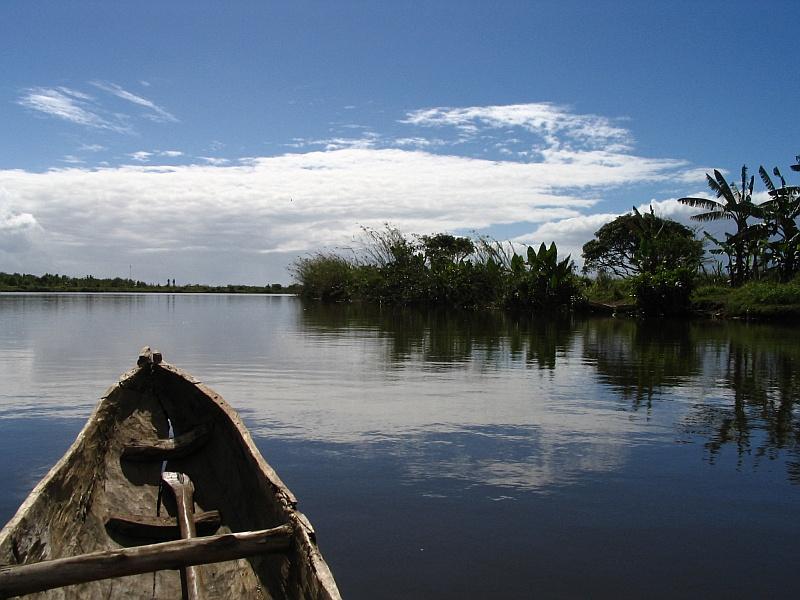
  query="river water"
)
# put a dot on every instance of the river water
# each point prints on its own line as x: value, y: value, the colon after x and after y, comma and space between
x: 461, y: 455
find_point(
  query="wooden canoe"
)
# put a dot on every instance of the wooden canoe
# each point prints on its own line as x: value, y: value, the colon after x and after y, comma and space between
x: 104, y: 499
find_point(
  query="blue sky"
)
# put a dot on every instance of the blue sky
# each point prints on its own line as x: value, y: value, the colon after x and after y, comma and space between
x: 215, y: 142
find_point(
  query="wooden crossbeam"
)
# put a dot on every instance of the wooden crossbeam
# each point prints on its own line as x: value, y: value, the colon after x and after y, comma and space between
x: 161, y: 528
x: 45, y: 575
x: 171, y: 448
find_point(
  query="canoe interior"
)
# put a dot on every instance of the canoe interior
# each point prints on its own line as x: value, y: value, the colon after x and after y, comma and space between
x: 67, y: 512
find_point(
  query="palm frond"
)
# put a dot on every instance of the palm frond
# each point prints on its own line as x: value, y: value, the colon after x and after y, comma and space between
x: 713, y: 215
x: 713, y: 185
x: 767, y: 180
x: 706, y: 203
x: 792, y: 190
x: 725, y: 189
x: 777, y: 173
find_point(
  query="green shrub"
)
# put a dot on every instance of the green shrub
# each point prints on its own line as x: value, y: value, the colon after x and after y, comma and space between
x: 541, y: 281
x: 664, y: 292
x: 325, y: 276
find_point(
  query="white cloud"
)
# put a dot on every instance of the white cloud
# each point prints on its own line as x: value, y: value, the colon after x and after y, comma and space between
x: 11, y: 222
x: 70, y: 105
x: 234, y: 222
x: 146, y: 155
x: 569, y: 234
x: 418, y: 142
x: 84, y: 109
x: 211, y: 160
x: 367, y: 140
x: 141, y: 156
x: 556, y: 125
x: 18, y: 231
x: 92, y: 147
x: 158, y: 113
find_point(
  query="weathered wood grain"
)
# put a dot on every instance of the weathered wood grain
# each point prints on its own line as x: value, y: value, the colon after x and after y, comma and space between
x: 169, y: 448
x: 67, y: 513
x: 26, y: 579
x: 183, y: 489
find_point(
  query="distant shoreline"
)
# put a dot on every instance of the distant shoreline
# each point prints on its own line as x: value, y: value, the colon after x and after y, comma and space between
x: 47, y: 283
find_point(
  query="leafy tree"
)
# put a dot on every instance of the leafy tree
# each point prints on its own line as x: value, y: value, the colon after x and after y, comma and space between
x: 444, y: 248
x: 633, y: 244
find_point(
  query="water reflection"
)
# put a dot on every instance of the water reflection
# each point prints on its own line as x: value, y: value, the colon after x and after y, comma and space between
x: 447, y: 338
x: 511, y: 459
x: 754, y: 410
x: 722, y: 384
x: 640, y: 358
x: 545, y: 443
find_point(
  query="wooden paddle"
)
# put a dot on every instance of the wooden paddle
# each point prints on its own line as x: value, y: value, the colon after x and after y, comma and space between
x: 182, y: 487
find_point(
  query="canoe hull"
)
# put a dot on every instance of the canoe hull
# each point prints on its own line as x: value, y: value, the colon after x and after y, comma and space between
x: 68, y: 511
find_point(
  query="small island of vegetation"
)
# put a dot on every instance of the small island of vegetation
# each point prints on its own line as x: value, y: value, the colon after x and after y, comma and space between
x: 639, y: 262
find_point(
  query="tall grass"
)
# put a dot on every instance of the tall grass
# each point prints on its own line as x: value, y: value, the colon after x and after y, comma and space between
x: 390, y: 267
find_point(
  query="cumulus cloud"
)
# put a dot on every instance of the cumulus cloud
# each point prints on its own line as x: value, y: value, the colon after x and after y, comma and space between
x: 569, y: 234
x: 244, y: 219
x: 18, y: 230
x: 222, y: 222
x: 16, y: 222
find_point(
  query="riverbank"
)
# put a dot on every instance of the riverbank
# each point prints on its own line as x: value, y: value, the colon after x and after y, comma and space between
x: 755, y: 300
x: 752, y: 301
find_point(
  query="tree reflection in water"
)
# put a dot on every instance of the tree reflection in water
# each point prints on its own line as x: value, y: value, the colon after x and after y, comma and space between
x: 733, y: 384
x: 759, y: 386
x: 449, y: 338
x: 640, y: 358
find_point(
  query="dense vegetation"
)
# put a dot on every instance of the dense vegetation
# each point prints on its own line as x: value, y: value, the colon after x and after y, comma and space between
x: 442, y: 269
x: 16, y: 282
x: 651, y: 264
x: 766, y: 243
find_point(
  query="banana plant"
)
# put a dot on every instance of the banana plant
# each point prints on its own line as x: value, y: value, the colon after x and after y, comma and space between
x: 780, y: 214
x: 540, y: 279
x: 732, y: 203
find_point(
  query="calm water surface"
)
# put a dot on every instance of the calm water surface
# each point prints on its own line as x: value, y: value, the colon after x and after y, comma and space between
x: 447, y: 455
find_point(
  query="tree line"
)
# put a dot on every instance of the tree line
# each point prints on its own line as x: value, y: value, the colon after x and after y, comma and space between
x: 655, y: 262
x: 24, y: 282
